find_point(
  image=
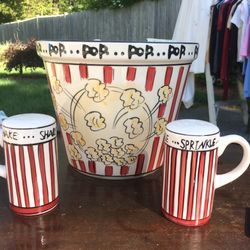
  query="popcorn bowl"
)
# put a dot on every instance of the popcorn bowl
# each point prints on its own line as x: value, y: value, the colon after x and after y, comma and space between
x: 114, y: 99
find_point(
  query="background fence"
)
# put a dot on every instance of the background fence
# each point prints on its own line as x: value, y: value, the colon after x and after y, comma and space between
x: 142, y: 20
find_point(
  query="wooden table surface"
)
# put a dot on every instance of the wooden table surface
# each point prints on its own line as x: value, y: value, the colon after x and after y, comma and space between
x: 103, y: 214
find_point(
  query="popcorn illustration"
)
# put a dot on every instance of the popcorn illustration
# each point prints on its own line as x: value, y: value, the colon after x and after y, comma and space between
x: 56, y: 85
x: 106, y: 158
x: 95, y: 121
x: 92, y: 154
x: 116, y: 142
x: 78, y: 138
x: 63, y: 122
x: 133, y: 127
x: 160, y: 126
x: 117, y: 152
x: 120, y: 161
x: 132, y: 98
x: 103, y: 145
x: 164, y: 94
x: 131, y: 149
x: 131, y: 159
x: 75, y: 155
x: 96, y: 90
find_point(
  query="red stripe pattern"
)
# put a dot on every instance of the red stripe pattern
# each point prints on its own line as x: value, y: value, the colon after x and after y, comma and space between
x: 153, y: 154
x: 124, y: 170
x: 188, y: 189
x: 168, y: 76
x: 107, y: 74
x: 9, y: 173
x: 24, y: 179
x: 108, y: 171
x: 150, y: 78
x: 140, y: 164
x: 53, y: 69
x: 176, y: 95
x: 67, y: 74
x: 92, y: 167
x: 14, y: 171
x: 131, y: 72
x: 31, y: 175
x: 83, y: 71
x: 29, y: 211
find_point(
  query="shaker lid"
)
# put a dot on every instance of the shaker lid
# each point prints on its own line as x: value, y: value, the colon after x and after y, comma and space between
x: 192, y: 127
x: 28, y: 121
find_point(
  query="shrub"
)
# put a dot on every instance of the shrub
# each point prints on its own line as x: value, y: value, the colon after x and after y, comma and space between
x: 3, y: 47
x: 19, y: 55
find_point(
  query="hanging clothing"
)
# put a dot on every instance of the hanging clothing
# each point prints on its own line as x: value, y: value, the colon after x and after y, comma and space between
x: 230, y: 42
x: 240, y: 19
x: 223, y: 45
x: 221, y: 28
x: 213, y: 38
x: 226, y: 53
x: 245, y: 52
x: 233, y: 40
x: 247, y: 79
x: 192, y: 25
x: 189, y: 91
x: 245, y: 48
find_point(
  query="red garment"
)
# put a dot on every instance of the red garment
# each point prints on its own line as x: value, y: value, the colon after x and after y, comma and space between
x: 224, y: 70
x: 220, y: 18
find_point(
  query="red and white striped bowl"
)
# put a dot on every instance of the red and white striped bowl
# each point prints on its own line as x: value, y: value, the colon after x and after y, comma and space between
x: 31, y: 163
x: 113, y: 101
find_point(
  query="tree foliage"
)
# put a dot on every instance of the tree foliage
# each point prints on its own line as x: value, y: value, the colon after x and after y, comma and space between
x: 12, y: 10
x: 33, y: 8
x: 101, y: 4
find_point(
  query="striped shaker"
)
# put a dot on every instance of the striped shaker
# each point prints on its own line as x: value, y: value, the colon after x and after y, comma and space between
x: 190, y: 166
x: 30, y: 149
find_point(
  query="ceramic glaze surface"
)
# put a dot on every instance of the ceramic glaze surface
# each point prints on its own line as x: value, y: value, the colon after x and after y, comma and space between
x: 190, y: 169
x: 192, y: 127
x: 114, y: 100
x: 30, y: 120
x: 30, y: 149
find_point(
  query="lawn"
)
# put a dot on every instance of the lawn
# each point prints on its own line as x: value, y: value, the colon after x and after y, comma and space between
x: 26, y: 94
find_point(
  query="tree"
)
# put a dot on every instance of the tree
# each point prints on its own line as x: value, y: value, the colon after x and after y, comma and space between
x: 79, y: 5
x: 32, y: 8
x: 12, y: 10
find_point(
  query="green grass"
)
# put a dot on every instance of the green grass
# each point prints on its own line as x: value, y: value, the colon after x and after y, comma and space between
x: 24, y: 94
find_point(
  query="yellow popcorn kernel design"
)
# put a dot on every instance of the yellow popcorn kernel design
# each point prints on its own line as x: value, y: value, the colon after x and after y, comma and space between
x: 160, y: 126
x: 56, y: 85
x: 75, y: 155
x: 63, y: 122
x: 77, y: 138
x: 164, y: 94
